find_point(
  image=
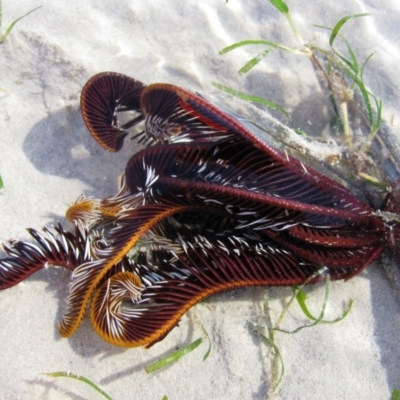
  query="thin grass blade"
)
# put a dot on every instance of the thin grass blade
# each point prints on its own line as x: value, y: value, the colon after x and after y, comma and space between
x: 384, y: 186
x: 209, y: 342
x: 284, y: 311
x: 253, y: 62
x: 367, y: 102
x: 340, y: 23
x: 164, y: 362
x: 321, y: 314
x: 280, y: 6
x: 375, y: 127
x: 62, y: 374
x: 320, y: 318
x: 277, y: 358
x: 254, y: 99
x: 364, y: 64
x: 354, y: 64
x: 9, y: 29
x: 256, y: 42
x: 301, y: 298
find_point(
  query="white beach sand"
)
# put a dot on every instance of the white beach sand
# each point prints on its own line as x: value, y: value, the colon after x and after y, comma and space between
x: 48, y: 159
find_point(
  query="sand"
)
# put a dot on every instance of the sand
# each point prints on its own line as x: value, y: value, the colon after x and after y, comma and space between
x: 48, y: 159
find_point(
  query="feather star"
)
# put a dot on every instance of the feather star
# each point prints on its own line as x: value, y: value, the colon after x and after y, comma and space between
x: 204, y: 207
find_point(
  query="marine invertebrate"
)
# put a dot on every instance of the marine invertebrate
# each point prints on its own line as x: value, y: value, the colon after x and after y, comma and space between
x: 204, y: 207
